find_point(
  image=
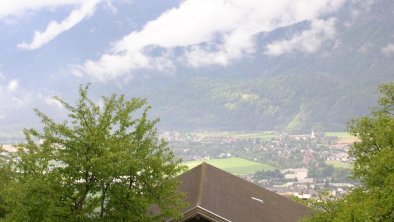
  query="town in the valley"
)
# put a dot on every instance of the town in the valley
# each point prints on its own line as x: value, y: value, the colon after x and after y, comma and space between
x: 291, y: 165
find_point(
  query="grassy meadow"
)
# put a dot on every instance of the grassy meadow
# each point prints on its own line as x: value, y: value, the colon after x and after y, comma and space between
x: 337, y: 164
x: 339, y: 135
x: 264, y: 135
x: 234, y: 165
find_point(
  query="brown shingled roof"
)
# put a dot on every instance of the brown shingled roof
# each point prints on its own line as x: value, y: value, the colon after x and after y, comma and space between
x: 216, y: 195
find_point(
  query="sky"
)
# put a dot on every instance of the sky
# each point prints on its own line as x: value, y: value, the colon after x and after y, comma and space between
x: 50, y: 47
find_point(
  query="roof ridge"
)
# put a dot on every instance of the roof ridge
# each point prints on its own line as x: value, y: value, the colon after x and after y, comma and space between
x: 211, y: 189
x: 206, y: 165
x: 201, y: 184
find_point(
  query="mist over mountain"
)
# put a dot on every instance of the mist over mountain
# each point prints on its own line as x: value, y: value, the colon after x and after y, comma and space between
x: 294, y: 92
x: 295, y: 71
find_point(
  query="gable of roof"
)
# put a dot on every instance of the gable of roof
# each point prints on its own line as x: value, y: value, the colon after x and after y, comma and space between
x: 220, y: 196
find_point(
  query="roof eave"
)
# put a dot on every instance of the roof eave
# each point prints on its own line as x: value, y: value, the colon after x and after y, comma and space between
x: 200, y: 211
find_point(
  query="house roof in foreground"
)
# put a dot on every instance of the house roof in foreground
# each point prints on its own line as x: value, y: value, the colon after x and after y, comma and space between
x: 220, y: 196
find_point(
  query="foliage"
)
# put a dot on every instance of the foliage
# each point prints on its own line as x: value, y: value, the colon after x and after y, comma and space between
x: 341, y: 175
x: 299, y: 200
x: 101, y: 164
x: 320, y: 170
x: 373, y: 165
x: 295, y: 102
x: 5, y: 177
x: 265, y: 174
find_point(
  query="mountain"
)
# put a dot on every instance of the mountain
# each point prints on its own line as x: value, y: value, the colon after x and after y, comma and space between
x: 295, y: 92
x: 313, y: 74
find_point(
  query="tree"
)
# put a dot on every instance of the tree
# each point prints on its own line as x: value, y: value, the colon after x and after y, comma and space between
x: 101, y: 164
x: 268, y: 174
x: 5, y: 178
x: 373, y: 158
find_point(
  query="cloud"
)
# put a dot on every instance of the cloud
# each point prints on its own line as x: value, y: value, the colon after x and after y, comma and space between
x: 17, y: 102
x: 358, y: 9
x: 111, y: 7
x: 55, y: 28
x: 13, y: 85
x: 19, y: 7
x: 309, y: 41
x: 11, y: 97
x: 202, y: 32
x: 50, y: 101
x: 388, y: 49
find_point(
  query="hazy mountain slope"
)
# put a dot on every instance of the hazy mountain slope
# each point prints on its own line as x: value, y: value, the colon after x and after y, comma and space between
x: 295, y: 92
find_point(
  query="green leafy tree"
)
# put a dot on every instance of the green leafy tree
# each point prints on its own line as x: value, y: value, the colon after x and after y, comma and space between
x: 320, y: 169
x: 373, y: 158
x: 268, y: 174
x: 5, y: 177
x: 104, y: 163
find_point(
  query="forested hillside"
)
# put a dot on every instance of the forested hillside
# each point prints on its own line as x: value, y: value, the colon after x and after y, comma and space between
x: 294, y: 92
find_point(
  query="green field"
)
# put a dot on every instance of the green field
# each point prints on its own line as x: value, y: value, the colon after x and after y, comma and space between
x: 265, y: 135
x: 337, y: 164
x: 339, y: 135
x: 234, y: 165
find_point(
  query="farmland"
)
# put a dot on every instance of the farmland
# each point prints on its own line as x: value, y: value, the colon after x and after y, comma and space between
x: 234, y: 165
x: 264, y: 135
x: 339, y: 135
x: 338, y: 164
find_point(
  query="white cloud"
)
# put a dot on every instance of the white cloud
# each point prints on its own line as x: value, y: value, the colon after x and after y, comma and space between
x: 15, y: 99
x: 11, y: 97
x: 53, y: 102
x: 55, y: 28
x: 309, y: 41
x: 207, y: 31
x: 388, y: 49
x: 13, y: 85
x: 19, y: 7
